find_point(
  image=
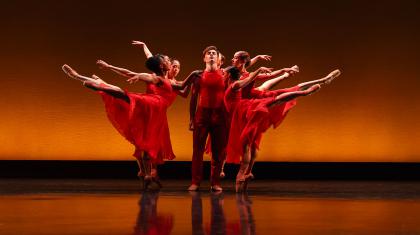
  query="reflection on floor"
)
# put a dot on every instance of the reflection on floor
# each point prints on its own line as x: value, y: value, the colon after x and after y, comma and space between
x: 271, y: 207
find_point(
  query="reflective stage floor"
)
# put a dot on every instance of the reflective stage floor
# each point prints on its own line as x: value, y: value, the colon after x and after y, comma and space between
x: 29, y: 206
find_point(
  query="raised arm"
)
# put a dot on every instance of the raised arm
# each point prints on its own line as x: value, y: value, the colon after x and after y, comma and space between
x: 292, y: 70
x: 259, y: 57
x: 145, y: 49
x: 252, y: 76
x: 121, y: 71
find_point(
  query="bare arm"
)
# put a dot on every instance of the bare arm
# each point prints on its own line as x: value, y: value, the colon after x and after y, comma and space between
x: 121, y: 71
x: 145, y: 77
x: 185, y: 92
x: 292, y: 70
x: 252, y: 76
x: 259, y: 57
x: 180, y: 85
x: 145, y: 49
x: 193, y: 106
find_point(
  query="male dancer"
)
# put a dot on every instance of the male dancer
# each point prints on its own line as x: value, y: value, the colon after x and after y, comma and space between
x: 209, y: 118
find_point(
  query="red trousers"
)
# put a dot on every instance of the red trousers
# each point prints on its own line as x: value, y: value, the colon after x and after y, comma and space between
x: 214, y: 122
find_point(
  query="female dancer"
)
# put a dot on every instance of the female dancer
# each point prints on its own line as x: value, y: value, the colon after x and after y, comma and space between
x: 172, y: 73
x: 242, y: 60
x: 252, y: 117
x: 140, y: 118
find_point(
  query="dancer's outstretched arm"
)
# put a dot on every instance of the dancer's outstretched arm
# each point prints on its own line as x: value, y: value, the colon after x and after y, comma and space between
x: 179, y: 85
x: 121, y: 71
x: 291, y: 70
x: 244, y: 82
x: 145, y: 49
x: 259, y: 57
x: 145, y: 77
x: 184, y: 92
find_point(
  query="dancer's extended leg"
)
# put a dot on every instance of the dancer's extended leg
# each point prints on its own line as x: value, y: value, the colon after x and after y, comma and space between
x: 96, y: 83
x: 325, y: 80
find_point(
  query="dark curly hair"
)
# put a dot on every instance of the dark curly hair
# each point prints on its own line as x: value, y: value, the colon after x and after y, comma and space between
x: 153, y: 64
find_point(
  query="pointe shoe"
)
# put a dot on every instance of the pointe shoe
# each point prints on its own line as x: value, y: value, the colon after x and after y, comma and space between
x: 216, y: 188
x: 295, y: 68
x: 193, y: 187
x: 69, y: 71
x: 332, y: 75
x: 222, y: 175
x: 250, y: 176
x: 247, y: 177
x: 147, y: 180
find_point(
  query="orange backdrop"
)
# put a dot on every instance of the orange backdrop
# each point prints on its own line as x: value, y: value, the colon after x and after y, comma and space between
x: 370, y: 113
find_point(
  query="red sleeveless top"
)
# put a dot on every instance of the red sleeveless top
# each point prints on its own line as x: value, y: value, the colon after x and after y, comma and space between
x: 212, y: 89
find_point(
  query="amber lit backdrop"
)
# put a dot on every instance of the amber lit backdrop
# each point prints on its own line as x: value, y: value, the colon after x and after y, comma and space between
x: 370, y: 113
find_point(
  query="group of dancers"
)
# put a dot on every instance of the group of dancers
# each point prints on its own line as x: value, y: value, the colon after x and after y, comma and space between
x: 225, y: 106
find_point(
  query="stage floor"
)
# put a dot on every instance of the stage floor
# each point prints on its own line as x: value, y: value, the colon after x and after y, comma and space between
x: 35, y: 206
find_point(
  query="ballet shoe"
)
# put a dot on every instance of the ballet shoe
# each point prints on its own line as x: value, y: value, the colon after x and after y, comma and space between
x: 216, y: 188
x: 193, y: 187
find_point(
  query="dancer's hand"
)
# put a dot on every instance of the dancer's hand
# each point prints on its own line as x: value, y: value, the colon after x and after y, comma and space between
x: 292, y: 70
x: 191, y: 125
x: 102, y: 64
x: 264, y: 57
x: 138, y: 43
x: 133, y: 80
x: 265, y: 70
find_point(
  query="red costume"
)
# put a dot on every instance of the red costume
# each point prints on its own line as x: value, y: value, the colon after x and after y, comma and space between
x: 250, y: 118
x: 210, y: 118
x: 143, y: 120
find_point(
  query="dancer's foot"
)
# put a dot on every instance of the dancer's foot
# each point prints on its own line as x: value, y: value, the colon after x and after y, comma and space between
x: 193, y: 187
x: 331, y: 76
x: 151, y: 183
x: 247, y: 178
x: 222, y: 174
x: 216, y: 188
x: 140, y: 174
x: 295, y: 69
x: 147, y: 180
x: 71, y: 72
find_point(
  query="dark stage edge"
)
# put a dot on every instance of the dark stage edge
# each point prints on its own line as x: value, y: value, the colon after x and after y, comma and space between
x: 276, y: 188
x: 181, y: 170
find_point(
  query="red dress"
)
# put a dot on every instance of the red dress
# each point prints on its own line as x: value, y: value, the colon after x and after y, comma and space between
x: 143, y: 121
x: 249, y: 119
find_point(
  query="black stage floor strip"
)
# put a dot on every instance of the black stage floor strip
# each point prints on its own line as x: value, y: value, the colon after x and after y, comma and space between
x: 181, y: 170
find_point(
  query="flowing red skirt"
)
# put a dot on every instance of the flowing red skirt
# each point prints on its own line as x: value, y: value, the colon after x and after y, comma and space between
x: 143, y: 122
x: 250, y: 119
